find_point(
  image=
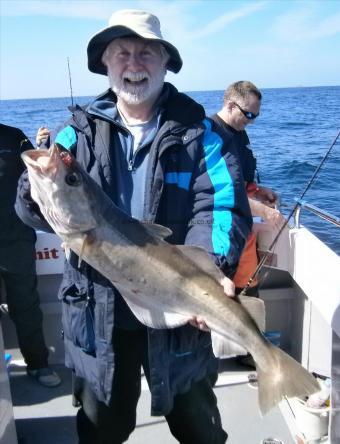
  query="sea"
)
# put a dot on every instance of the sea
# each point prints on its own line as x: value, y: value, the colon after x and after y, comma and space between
x: 290, y: 139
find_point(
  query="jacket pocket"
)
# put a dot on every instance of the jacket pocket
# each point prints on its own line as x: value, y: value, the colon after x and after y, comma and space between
x: 78, y: 317
x: 187, y: 340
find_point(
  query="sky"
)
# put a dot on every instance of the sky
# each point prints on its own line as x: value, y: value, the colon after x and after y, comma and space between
x: 273, y: 43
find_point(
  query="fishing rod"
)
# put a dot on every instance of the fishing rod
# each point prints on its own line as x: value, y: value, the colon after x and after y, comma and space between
x: 298, y: 203
x: 46, y: 142
x: 70, y: 79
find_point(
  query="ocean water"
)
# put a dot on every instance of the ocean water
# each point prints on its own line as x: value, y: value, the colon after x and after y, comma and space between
x: 291, y: 136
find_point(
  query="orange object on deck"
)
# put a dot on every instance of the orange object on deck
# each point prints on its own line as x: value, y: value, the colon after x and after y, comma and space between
x: 248, y: 263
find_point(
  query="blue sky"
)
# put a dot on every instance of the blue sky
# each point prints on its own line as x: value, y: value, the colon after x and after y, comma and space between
x: 274, y: 43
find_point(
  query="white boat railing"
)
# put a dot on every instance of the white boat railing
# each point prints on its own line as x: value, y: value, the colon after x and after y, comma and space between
x: 315, y: 210
x: 315, y: 268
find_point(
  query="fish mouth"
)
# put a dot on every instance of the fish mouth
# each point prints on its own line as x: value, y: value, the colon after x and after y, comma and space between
x: 44, y: 160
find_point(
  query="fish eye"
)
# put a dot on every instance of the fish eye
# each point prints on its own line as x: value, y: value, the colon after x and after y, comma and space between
x: 73, y: 179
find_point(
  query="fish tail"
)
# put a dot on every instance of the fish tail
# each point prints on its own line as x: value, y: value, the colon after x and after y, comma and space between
x: 284, y: 377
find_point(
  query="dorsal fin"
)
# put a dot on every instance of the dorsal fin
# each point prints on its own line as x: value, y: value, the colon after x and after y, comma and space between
x: 157, y: 230
x: 200, y: 256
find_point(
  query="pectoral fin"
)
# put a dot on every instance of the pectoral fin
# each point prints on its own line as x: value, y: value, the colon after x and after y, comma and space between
x: 67, y: 250
x: 201, y: 258
x: 87, y: 241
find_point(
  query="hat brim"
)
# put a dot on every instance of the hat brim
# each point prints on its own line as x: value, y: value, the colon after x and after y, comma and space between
x: 99, y: 42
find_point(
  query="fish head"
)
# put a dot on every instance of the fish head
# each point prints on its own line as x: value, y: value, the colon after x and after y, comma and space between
x: 61, y: 189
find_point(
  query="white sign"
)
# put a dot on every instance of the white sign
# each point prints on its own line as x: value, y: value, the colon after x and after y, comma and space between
x: 49, y: 254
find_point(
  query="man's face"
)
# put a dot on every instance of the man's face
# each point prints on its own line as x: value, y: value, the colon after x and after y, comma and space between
x: 136, y: 69
x: 237, y: 119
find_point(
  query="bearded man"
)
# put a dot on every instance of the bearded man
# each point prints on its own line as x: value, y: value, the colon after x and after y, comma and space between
x: 159, y: 158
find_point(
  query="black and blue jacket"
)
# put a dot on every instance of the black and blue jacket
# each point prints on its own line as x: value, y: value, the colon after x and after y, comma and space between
x: 245, y: 153
x: 192, y: 184
x: 16, y: 239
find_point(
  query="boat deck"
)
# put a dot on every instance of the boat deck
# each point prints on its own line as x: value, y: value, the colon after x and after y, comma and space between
x: 46, y: 415
x: 294, y: 301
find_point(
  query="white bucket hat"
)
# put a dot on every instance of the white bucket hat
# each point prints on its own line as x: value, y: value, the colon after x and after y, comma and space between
x: 125, y: 23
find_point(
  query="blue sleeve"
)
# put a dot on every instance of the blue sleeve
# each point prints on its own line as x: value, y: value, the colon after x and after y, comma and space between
x: 221, y: 219
x: 67, y: 137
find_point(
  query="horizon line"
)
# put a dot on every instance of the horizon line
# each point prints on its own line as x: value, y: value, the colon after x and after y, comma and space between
x: 185, y: 92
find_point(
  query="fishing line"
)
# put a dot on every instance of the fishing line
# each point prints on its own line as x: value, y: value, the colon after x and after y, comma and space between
x: 298, y: 203
x: 70, y: 79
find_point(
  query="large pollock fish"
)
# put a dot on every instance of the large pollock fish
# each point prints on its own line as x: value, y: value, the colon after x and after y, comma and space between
x: 164, y: 285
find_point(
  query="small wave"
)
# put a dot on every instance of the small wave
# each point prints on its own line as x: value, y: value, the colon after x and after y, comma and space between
x: 296, y: 168
x: 39, y: 112
x: 294, y: 124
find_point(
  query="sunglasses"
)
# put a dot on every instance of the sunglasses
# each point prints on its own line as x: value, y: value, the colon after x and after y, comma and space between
x: 248, y: 114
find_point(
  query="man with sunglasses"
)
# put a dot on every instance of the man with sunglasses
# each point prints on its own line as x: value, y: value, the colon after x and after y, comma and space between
x: 241, y: 106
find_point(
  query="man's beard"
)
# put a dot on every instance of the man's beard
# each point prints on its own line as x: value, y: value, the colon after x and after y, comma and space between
x: 135, y: 88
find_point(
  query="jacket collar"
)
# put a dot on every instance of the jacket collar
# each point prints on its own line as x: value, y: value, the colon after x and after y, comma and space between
x: 174, y: 106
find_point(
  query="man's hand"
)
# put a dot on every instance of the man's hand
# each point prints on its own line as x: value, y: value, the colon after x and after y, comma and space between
x: 266, y: 196
x: 229, y: 290
x: 267, y: 213
x: 273, y: 217
x: 228, y: 287
x: 42, y: 136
